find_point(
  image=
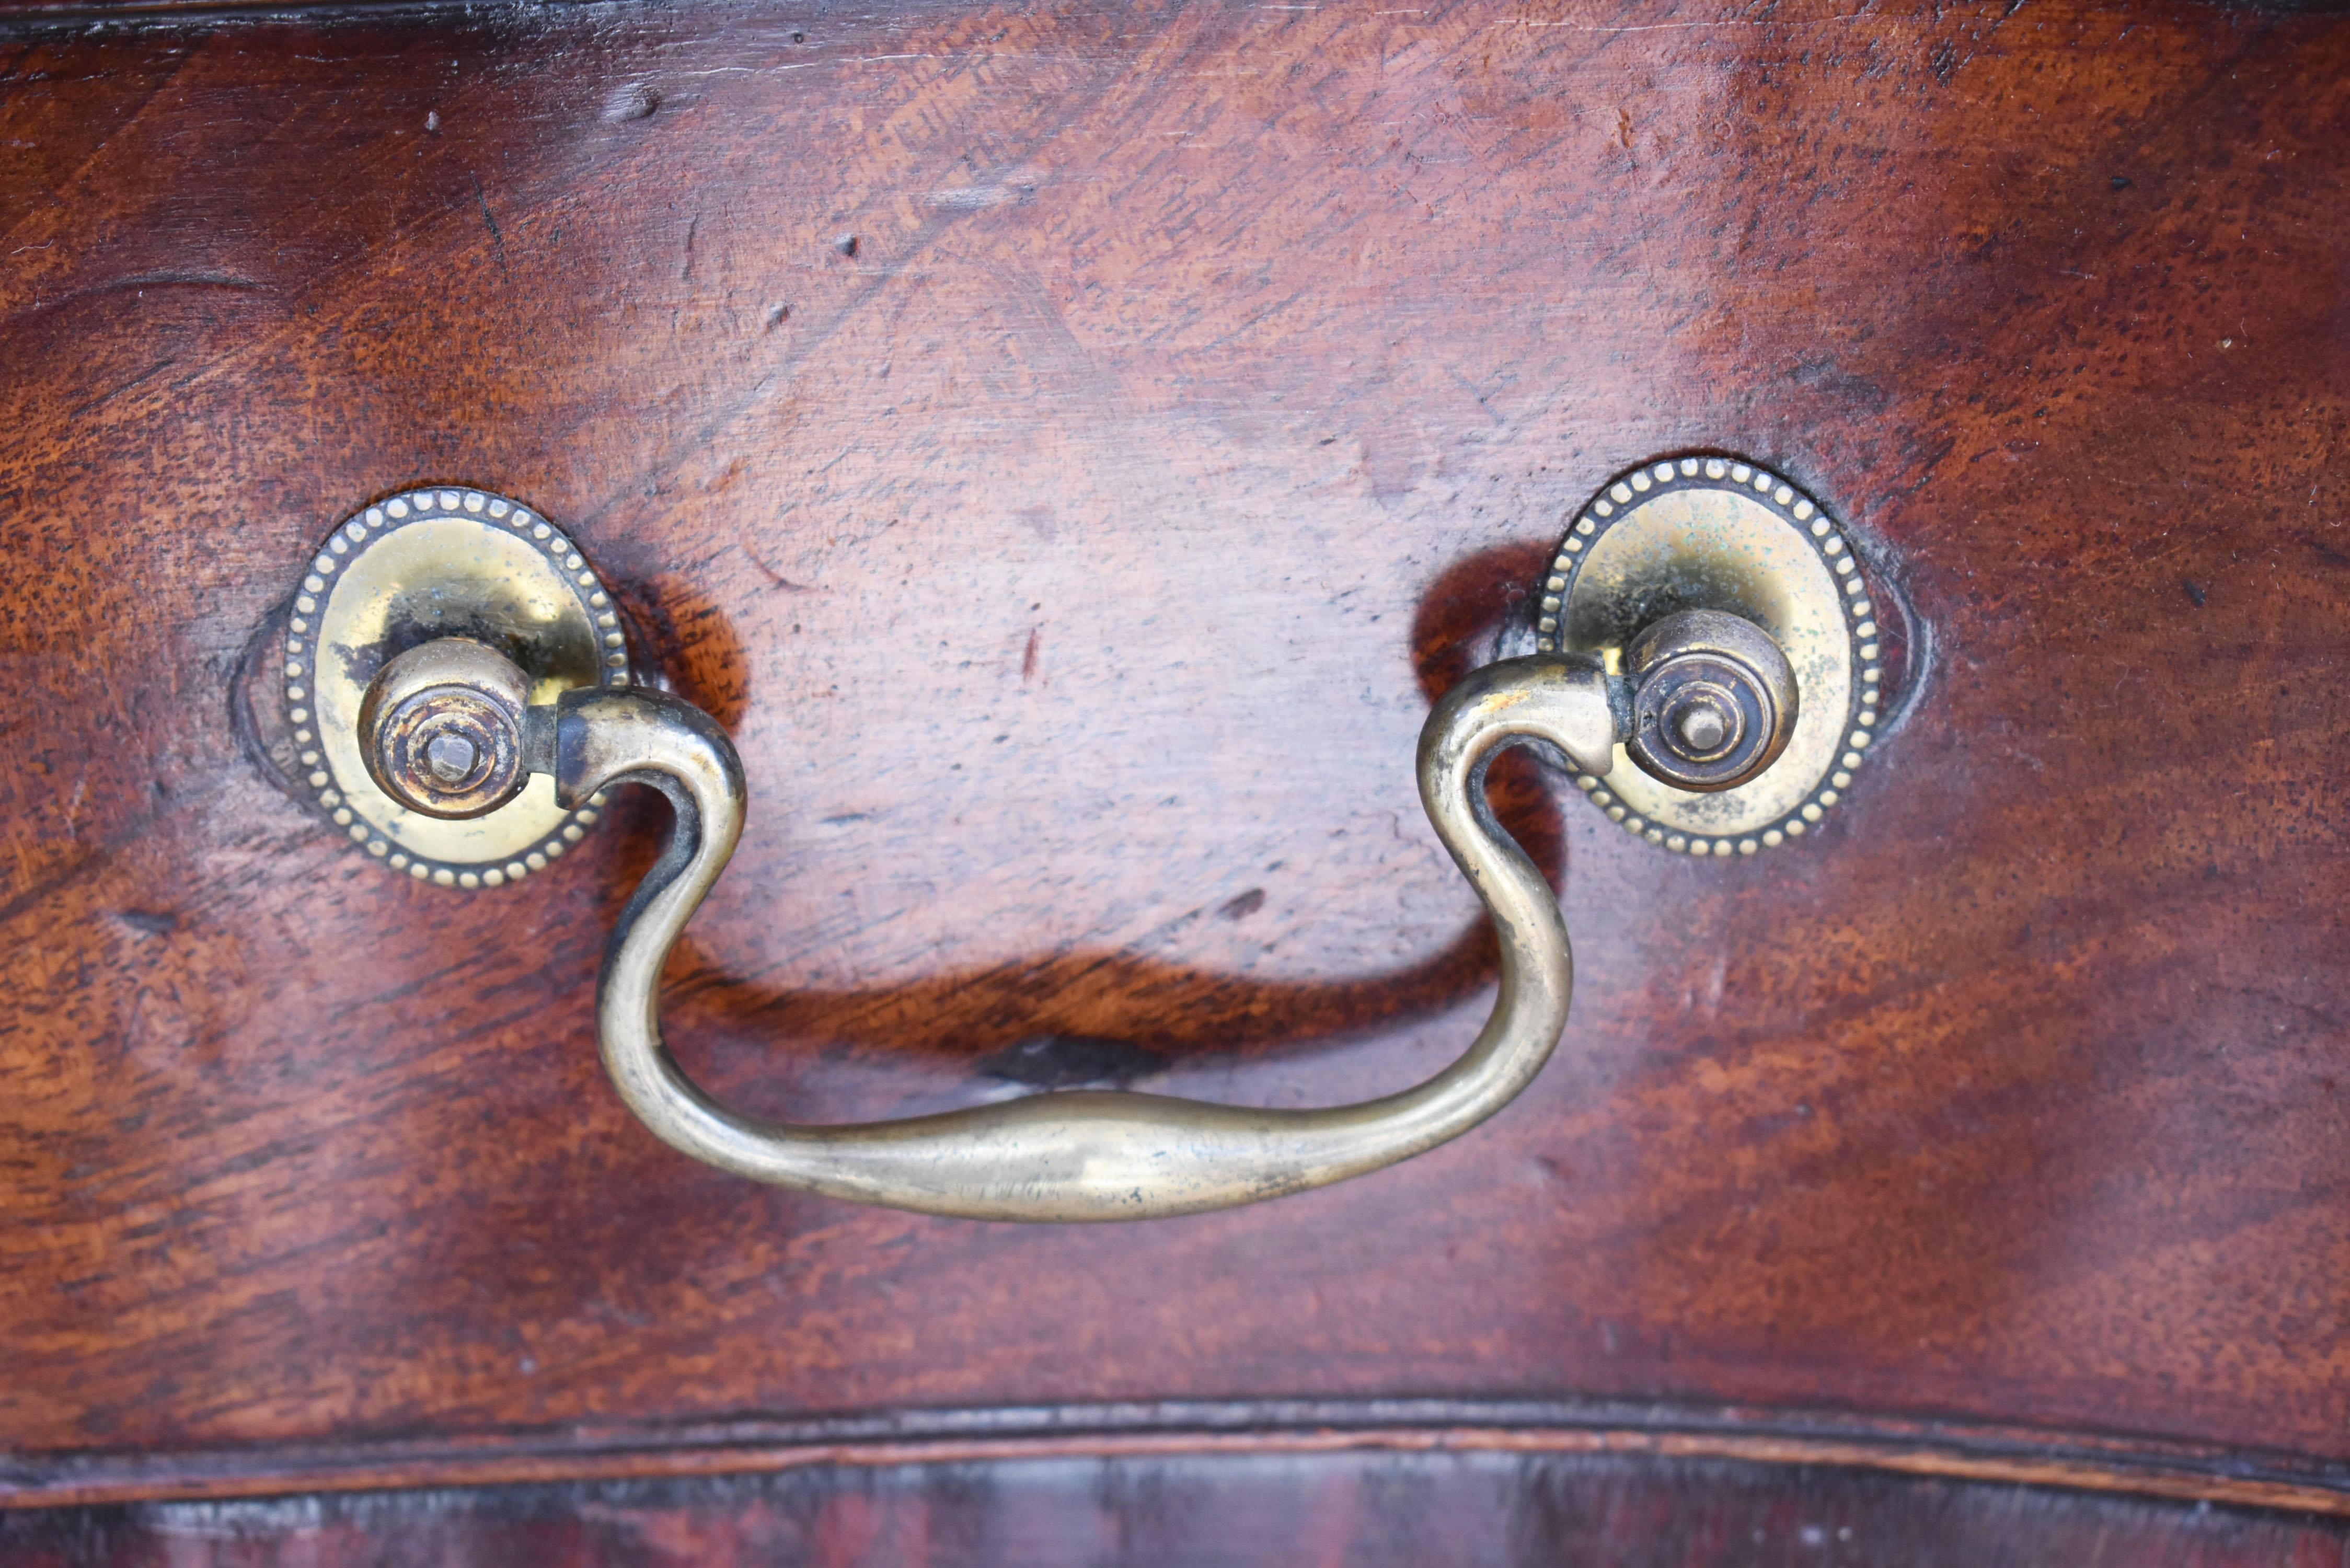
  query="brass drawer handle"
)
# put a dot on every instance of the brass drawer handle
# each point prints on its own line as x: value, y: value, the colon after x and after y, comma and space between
x: 448, y: 731
x: 1091, y: 1154
x: 434, y: 751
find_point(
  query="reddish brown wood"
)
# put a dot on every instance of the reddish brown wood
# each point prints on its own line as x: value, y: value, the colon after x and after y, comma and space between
x: 1069, y: 445
x: 1263, y: 1431
x: 1367, y: 1511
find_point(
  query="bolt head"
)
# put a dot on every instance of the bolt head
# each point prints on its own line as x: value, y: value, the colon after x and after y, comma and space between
x: 441, y: 724
x: 451, y: 757
x: 1713, y: 699
x: 1702, y: 729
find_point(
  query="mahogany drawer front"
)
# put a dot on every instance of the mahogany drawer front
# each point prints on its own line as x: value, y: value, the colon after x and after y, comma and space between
x: 1070, y: 448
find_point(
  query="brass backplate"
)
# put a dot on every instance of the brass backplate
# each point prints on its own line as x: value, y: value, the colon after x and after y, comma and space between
x: 427, y: 563
x: 1715, y: 533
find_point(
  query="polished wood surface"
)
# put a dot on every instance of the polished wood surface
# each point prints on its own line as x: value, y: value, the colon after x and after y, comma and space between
x: 1068, y: 446
x: 1382, y: 1511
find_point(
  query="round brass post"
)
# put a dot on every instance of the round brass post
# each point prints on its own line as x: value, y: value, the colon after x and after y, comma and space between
x: 1713, y: 700
x: 443, y: 728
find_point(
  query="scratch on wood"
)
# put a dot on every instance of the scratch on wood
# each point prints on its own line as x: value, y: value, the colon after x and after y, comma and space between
x: 132, y: 385
x: 497, y: 240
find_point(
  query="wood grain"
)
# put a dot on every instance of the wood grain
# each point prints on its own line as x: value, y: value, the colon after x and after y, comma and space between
x: 1251, y: 1432
x: 1069, y: 445
x: 1416, y: 1511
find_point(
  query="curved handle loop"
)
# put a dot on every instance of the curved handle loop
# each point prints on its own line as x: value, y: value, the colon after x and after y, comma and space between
x: 1088, y: 1154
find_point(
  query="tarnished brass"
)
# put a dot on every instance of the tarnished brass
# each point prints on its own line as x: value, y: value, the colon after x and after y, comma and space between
x: 452, y: 668
x: 1713, y: 700
x: 1716, y: 533
x: 410, y: 570
x: 1088, y: 1155
x: 443, y: 726
x: 1076, y: 1156
x: 471, y: 691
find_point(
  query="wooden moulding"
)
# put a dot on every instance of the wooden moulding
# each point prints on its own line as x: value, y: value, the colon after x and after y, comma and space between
x: 1922, y: 1448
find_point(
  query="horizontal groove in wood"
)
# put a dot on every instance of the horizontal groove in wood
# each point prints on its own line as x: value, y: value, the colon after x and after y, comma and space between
x: 1926, y: 1449
x: 16, y: 14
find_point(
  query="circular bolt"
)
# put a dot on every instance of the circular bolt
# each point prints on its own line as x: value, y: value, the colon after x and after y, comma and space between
x: 450, y: 756
x: 1702, y: 728
x: 1713, y: 700
x: 440, y: 728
